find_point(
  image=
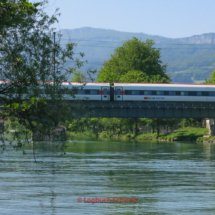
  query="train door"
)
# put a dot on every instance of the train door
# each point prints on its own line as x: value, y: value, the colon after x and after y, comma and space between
x: 105, y: 93
x: 118, y: 93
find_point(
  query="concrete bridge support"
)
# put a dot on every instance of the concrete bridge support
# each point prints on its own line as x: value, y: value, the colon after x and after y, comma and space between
x: 210, y: 125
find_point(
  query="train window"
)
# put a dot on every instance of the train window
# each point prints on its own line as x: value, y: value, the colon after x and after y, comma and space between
x: 166, y: 93
x: 81, y: 92
x: 94, y: 92
x: 205, y: 93
x: 135, y: 92
x: 127, y: 92
x: 160, y: 92
x: 178, y: 93
x: 212, y: 93
x: 87, y: 92
x: 105, y: 92
x: 192, y: 93
x: 172, y: 93
x: 118, y: 92
x: 199, y: 93
x: 154, y: 92
x: 147, y: 92
x: 184, y: 93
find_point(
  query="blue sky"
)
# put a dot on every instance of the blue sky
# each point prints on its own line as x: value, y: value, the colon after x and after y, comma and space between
x: 168, y: 18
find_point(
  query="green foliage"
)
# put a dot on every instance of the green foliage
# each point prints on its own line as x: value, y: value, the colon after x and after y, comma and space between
x: 14, y: 13
x: 135, y: 77
x: 211, y: 80
x: 188, y: 122
x: 125, y: 128
x: 31, y: 91
x: 12, y: 123
x: 78, y: 76
x: 106, y: 134
x: 130, y: 136
x: 156, y: 123
x: 133, y: 55
x: 147, y: 137
x: 186, y: 134
x: 140, y: 77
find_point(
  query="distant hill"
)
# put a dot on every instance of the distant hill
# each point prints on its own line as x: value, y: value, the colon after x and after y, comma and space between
x: 190, y: 59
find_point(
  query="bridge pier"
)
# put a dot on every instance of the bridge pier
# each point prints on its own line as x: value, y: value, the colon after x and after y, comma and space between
x: 210, y: 126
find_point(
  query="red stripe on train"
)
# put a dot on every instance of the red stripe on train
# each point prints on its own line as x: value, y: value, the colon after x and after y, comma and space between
x: 122, y: 92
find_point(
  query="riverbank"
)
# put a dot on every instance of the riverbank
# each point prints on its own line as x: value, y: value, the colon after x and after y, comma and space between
x: 210, y: 139
x: 182, y: 134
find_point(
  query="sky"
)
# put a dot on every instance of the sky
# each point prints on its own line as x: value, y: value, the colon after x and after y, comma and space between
x: 168, y: 18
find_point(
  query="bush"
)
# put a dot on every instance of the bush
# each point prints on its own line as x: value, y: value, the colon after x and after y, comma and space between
x: 147, y: 136
x: 105, y: 134
x: 130, y: 136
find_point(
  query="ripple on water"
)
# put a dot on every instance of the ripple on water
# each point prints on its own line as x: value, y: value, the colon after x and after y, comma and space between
x: 166, y: 178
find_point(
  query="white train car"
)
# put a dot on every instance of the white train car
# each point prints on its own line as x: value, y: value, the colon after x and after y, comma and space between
x: 164, y: 92
x: 89, y: 91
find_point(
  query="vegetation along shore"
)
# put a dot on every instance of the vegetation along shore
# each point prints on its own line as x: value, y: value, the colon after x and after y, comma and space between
x: 184, y: 130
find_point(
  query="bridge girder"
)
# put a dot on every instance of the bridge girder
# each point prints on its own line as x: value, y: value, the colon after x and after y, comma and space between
x: 146, y: 109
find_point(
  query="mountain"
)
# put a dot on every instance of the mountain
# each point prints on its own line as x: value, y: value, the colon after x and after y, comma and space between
x: 190, y: 59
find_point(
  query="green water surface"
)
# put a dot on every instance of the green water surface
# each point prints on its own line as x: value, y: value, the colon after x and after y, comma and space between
x: 164, y: 178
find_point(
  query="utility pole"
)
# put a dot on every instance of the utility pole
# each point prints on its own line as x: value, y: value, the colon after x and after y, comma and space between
x: 54, y: 61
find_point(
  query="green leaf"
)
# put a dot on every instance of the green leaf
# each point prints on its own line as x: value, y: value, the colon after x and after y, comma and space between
x: 15, y: 105
x: 36, y: 4
x: 33, y: 100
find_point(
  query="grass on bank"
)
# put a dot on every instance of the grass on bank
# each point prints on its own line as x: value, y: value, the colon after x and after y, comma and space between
x: 211, y: 138
x: 104, y: 134
x: 186, y: 134
x: 182, y: 134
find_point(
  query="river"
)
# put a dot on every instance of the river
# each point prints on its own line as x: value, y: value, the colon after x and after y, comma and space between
x: 154, y: 177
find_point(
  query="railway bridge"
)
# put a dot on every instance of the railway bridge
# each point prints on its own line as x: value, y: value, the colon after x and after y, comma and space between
x: 124, y: 109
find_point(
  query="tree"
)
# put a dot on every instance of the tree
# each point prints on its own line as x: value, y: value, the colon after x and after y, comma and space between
x: 211, y: 80
x: 32, y: 68
x: 13, y: 13
x: 135, y: 77
x: 133, y: 55
x: 78, y: 76
x: 140, y: 77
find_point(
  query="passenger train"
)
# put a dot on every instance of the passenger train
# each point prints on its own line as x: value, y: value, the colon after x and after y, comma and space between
x: 144, y: 92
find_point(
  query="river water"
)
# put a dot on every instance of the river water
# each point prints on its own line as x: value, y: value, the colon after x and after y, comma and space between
x: 157, y: 178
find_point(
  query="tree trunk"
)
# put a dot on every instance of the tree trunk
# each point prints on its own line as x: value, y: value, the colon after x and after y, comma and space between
x: 120, y: 128
x: 136, y: 127
x: 153, y: 130
x: 158, y: 131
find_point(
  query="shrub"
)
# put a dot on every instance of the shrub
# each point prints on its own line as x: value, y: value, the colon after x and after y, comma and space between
x: 130, y: 136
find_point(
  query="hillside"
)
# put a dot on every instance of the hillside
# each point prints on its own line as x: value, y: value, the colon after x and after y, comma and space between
x: 190, y: 60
